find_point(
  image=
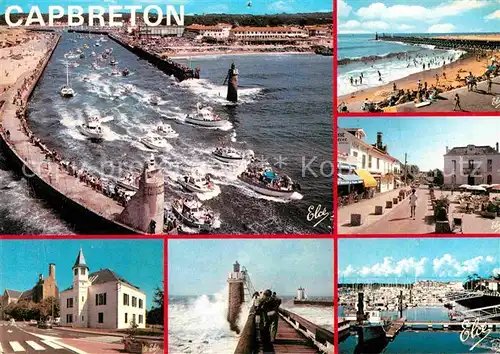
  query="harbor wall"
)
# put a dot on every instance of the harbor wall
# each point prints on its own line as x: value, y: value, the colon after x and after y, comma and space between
x: 79, y: 217
x: 313, y: 302
x: 441, y: 43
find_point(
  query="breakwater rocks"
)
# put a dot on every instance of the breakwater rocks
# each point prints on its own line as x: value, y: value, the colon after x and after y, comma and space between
x: 323, y: 50
x: 445, y: 43
x: 371, y: 58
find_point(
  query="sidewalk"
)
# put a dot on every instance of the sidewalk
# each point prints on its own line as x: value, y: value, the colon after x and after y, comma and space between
x: 105, y: 332
x: 366, y: 208
x: 89, y: 347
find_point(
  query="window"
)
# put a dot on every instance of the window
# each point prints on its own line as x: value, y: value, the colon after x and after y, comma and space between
x: 83, y: 271
x: 134, y: 301
x: 69, y: 318
x: 133, y: 318
x: 363, y: 161
x: 489, y: 179
x: 83, y: 318
x: 489, y: 166
x: 76, y: 271
x: 369, y: 161
x: 355, y: 153
x: 140, y: 303
x: 100, y: 299
x: 126, y: 300
x: 83, y: 299
x: 126, y: 318
x: 141, y: 318
x: 378, y: 164
x: 454, y: 163
x: 69, y: 303
x: 100, y: 317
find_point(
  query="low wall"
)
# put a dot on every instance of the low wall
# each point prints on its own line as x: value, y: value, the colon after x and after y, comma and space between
x: 444, y: 43
x: 246, y: 343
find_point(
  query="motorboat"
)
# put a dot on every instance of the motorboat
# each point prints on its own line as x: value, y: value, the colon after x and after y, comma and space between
x: 97, y: 44
x: 156, y: 142
x: 93, y: 54
x: 74, y: 64
x: 102, y: 39
x: 155, y: 100
x: 129, y: 88
x: 166, y: 131
x: 205, y: 117
x: 82, y: 56
x: 115, y: 73
x: 264, y: 180
x: 196, y: 182
x: 112, y: 61
x: 129, y: 182
x: 66, y: 90
x: 192, y: 214
x: 92, y: 128
x: 95, y: 66
x: 125, y: 72
x: 228, y: 154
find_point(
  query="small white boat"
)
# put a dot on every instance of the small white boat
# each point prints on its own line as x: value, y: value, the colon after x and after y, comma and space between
x: 95, y: 66
x: 155, y: 100
x: 92, y: 128
x: 97, y: 44
x: 267, y: 182
x: 112, y: 61
x: 66, y: 90
x: 93, y: 54
x: 129, y: 182
x: 115, y: 72
x: 166, y: 131
x: 228, y: 154
x: 191, y: 213
x: 196, y: 183
x: 156, y: 142
x: 204, y: 117
x: 74, y: 64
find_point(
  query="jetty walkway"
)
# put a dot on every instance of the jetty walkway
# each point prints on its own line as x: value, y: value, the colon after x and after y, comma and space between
x: 442, y: 42
x: 295, y: 335
x: 44, y: 174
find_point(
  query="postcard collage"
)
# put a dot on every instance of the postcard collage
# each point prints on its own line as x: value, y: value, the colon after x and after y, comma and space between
x: 250, y: 177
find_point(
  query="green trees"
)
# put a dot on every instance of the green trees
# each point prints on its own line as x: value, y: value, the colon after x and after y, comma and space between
x: 29, y: 310
x: 155, y: 315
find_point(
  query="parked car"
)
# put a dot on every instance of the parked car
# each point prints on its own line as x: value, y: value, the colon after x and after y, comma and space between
x: 44, y: 325
x: 33, y: 322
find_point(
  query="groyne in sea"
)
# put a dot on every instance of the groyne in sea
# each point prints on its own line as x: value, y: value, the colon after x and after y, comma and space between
x: 443, y: 43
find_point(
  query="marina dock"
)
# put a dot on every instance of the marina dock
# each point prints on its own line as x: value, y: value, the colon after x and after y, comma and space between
x: 295, y: 335
x: 395, y: 327
x: 442, y: 42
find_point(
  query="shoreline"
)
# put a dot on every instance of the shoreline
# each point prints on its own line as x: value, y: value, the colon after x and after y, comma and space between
x: 187, y: 55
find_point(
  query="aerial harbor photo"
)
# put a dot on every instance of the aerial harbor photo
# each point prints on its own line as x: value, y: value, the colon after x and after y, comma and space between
x: 430, y: 56
x: 428, y: 175
x: 250, y: 296
x: 77, y: 296
x: 427, y: 295
x: 169, y: 129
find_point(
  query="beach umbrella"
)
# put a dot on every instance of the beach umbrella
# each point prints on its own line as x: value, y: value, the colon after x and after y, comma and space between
x: 464, y: 186
x: 485, y: 186
x: 476, y: 188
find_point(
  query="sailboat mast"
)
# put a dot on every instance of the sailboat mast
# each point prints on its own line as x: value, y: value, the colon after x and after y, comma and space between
x: 67, y: 75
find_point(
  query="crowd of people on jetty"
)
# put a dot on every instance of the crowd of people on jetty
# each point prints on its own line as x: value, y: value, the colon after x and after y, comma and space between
x: 90, y: 179
x: 266, y: 305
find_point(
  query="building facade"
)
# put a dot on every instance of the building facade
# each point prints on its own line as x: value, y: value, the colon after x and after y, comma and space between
x: 101, y: 300
x: 472, y: 165
x: 370, y: 159
x: 267, y: 34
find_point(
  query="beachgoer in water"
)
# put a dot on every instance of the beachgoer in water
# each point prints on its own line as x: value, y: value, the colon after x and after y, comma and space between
x: 394, y: 88
x: 361, y: 79
x: 379, y: 75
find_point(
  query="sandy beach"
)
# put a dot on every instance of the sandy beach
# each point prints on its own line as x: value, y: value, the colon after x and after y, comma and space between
x: 462, y: 67
x: 200, y: 51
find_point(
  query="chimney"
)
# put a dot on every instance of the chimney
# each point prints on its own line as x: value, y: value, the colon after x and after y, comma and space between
x: 447, y: 149
x: 52, y: 271
x: 379, y: 140
x: 497, y: 146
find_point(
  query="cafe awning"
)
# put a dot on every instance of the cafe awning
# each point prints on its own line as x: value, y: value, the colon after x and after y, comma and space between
x: 348, y: 179
x: 368, y: 180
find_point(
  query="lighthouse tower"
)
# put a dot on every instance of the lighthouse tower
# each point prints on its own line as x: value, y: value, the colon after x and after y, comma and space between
x: 144, y: 211
x: 236, y: 297
x: 232, y: 84
x: 80, y: 289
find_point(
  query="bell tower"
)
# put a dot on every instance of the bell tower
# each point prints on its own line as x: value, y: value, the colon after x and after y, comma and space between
x: 80, y: 291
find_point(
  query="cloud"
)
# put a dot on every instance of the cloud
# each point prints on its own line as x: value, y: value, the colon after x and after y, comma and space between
x: 493, y: 16
x: 496, y: 271
x: 404, y: 27
x: 448, y: 265
x: 389, y: 268
x: 353, y: 26
x: 343, y: 10
x: 441, y: 28
x: 217, y: 9
x: 403, y: 12
x: 281, y: 6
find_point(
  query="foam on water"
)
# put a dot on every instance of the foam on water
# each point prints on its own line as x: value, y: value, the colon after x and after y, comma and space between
x: 319, y: 315
x: 201, y: 327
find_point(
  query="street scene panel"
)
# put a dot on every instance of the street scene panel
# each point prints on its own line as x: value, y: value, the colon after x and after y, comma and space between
x: 107, y: 296
x: 419, y: 295
x: 182, y: 129
x: 271, y: 296
x: 434, y: 56
x: 418, y: 175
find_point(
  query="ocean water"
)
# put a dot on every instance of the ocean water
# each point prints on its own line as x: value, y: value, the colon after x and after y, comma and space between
x: 198, y: 324
x: 415, y: 313
x: 393, y: 60
x: 284, y: 115
x: 425, y: 342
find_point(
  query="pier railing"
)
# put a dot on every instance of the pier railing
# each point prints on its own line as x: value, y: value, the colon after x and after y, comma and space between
x: 247, y: 341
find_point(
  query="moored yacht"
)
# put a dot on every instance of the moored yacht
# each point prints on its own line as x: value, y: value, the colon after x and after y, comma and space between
x: 205, y: 117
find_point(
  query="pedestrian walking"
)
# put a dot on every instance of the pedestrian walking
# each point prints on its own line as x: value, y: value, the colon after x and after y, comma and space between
x: 413, y: 203
x: 489, y: 83
x: 457, y: 103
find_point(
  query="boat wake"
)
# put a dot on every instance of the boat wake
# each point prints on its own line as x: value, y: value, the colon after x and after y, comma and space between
x: 213, y: 93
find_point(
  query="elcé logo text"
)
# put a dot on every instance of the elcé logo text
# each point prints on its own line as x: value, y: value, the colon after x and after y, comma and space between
x: 96, y: 14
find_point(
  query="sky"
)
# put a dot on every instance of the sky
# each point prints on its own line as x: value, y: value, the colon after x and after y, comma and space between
x: 408, y: 259
x: 418, y: 16
x: 201, y: 267
x: 425, y: 139
x: 138, y: 261
x: 258, y: 7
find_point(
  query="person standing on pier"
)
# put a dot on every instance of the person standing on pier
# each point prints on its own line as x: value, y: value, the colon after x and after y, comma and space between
x: 413, y: 203
x: 274, y: 317
x: 489, y: 83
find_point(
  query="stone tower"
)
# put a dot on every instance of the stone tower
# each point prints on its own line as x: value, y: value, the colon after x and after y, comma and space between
x: 47, y: 287
x: 144, y: 211
x: 236, y: 296
x: 232, y: 84
x: 80, y: 290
